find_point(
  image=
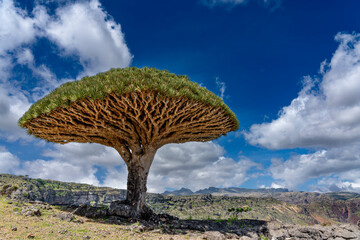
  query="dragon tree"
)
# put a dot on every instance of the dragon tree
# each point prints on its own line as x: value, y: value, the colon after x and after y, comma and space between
x: 136, y: 111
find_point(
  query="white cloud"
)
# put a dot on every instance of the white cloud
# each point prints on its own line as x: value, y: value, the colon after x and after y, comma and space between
x: 341, y: 163
x: 16, y: 27
x: 276, y: 185
x: 75, y: 162
x: 222, y: 87
x: 81, y: 29
x: 116, y: 177
x: 325, y: 118
x: 84, y: 29
x: 84, y: 154
x: 13, y: 104
x: 192, y: 165
x: 8, y: 162
x: 58, y: 170
x: 348, y: 181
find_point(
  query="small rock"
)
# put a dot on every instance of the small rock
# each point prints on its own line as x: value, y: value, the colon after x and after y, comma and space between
x: 231, y: 236
x: 63, y: 231
x: 65, y: 216
x: 86, y: 237
x: 30, y: 236
x: 156, y: 231
x: 30, y: 211
x: 14, y: 229
x: 213, y: 235
x: 78, y: 221
x: 246, y: 238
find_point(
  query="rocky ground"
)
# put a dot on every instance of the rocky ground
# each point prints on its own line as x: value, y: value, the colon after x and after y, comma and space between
x: 37, y: 220
x: 286, y: 207
x: 85, y: 214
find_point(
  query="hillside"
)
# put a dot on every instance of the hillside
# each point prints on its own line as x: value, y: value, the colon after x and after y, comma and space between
x: 280, y: 205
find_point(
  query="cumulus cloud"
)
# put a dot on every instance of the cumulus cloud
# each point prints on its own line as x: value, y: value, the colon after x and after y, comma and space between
x: 192, y: 165
x: 337, y: 183
x: 57, y: 170
x: 82, y: 30
x: 327, y: 117
x: 339, y: 161
x: 324, y: 117
x: 73, y: 162
x: 84, y: 154
x: 8, y: 162
x: 13, y: 104
x: 16, y: 27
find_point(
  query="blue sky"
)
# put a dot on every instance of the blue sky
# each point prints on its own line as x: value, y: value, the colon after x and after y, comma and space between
x: 290, y: 70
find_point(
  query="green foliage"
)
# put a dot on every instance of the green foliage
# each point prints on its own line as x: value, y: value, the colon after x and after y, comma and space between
x: 121, y: 81
x: 234, y: 212
x: 7, y: 189
x: 40, y: 181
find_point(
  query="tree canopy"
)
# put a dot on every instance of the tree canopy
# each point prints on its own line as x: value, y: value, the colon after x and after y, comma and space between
x: 125, y: 80
x: 153, y: 106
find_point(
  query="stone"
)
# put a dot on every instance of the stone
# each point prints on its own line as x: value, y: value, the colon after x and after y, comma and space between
x: 30, y: 236
x: 117, y: 208
x: 14, y: 229
x: 343, y: 233
x: 91, y: 212
x: 30, y: 211
x: 65, y: 216
x: 231, y: 236
x: 245, y: 238
x: 213, y: 235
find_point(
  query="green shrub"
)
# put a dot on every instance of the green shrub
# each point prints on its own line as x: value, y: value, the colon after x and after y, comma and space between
x: 234, y: 212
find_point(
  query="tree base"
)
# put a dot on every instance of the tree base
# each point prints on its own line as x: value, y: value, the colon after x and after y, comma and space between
x: 123, y: 209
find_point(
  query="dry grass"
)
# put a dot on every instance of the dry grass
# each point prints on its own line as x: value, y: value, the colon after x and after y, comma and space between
x: 47, y: 226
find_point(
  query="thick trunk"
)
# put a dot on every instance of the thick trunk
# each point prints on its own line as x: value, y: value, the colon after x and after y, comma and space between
x: 138, y: 170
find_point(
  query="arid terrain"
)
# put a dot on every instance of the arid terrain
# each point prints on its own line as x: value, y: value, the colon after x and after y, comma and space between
x: 45, y: 209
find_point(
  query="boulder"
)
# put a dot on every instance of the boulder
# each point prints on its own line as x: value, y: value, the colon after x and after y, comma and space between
x: 65, y: 216
x: 118, y: 208
x: 30, y: 211
x: 91, y: 212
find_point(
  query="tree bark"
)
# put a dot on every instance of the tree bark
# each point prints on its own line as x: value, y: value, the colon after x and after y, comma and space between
x: 138, y: 170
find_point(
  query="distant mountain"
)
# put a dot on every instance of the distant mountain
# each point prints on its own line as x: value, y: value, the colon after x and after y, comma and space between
x: 181, y: 192
x: 232, y: 191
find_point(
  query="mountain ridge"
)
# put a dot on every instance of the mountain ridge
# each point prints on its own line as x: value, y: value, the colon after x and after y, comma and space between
x: 223, y: 191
